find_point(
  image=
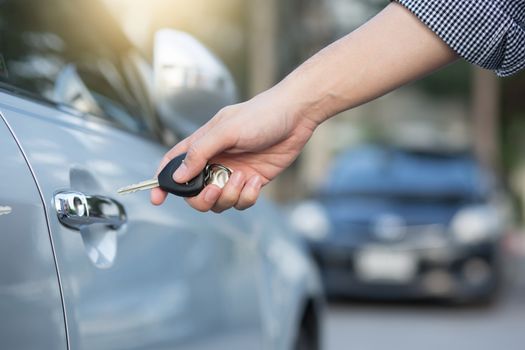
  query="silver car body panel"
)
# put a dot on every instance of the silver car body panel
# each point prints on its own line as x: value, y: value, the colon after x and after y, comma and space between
x: 30, y: 298
x: 172, y: 276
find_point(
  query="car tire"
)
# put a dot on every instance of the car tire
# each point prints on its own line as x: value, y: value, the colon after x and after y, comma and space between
x: 308, y: 333
x: 491, y: 293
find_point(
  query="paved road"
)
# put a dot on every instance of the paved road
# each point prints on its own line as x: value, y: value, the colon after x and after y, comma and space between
x: 405, y: 326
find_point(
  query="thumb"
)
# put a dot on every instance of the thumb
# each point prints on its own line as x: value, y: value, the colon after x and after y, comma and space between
x: 200, y: 151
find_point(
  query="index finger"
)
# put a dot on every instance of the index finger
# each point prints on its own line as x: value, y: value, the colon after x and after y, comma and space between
x: 179, y: 148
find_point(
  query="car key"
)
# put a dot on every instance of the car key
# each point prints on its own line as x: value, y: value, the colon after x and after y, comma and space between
x: 215, y: 174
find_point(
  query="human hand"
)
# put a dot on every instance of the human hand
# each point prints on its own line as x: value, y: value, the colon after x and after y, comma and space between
x: 257, y: 139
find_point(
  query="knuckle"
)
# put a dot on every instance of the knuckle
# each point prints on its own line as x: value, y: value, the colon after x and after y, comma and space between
x: 251, y: 197
x: 224, y: 111
x: 227, y: 111
x: 193, y: 156
x: 246, y: 203
x: 176, y: 150
x: 221, y: 206
x: 193, y: 152
x: 228, y: 199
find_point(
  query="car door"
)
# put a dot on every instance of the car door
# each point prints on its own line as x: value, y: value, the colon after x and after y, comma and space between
x: 169, y: 276
x: 134, y: 276
x: 30, y: 300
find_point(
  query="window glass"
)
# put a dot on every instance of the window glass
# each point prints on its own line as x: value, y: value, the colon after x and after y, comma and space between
x: 73, y: 52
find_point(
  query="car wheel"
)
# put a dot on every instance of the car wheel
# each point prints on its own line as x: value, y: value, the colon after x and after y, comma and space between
x: 308, y: 334
x: 491, y: 292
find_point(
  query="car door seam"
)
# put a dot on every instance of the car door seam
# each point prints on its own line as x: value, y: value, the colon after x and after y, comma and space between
x: 41, y: 195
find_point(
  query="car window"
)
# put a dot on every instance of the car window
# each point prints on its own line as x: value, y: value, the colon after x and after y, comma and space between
x: 72, y: 52
x: 390, y: 172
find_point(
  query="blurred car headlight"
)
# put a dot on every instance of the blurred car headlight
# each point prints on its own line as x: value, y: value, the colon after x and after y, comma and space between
x: 475, y: 224
x: 310, y: 220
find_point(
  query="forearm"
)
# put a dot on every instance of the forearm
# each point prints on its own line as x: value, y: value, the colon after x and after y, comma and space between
x: 260, y: 138
x: 390, y: 50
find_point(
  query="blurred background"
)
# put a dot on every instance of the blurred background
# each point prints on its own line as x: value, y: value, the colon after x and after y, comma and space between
x: 412, y: 205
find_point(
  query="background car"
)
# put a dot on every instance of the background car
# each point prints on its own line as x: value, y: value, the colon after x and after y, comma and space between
x: 395, y: 223
x: 82, y: 115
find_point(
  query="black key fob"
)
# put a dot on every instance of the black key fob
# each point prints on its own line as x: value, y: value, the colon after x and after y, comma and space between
x: 188, y: 189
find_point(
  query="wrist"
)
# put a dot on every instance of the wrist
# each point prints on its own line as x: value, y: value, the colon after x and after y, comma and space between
x: 302, y: 102
x: 318, y: 88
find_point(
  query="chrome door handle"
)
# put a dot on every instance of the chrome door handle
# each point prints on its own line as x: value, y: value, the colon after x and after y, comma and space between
x: 75, y: 210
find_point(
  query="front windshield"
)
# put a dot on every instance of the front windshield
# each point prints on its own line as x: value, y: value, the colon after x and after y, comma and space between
x: 375, y: 171
x: 72, y: 52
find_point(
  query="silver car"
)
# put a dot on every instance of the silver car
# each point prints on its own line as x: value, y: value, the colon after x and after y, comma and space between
x: 82, y: 114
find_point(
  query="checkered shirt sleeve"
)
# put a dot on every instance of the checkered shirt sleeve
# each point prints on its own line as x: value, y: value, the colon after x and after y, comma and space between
x: 488, y: 33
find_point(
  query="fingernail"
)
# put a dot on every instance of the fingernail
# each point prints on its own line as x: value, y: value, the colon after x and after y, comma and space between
x: 212, y: 194
x: 236, y: 178
x: 180, y: 173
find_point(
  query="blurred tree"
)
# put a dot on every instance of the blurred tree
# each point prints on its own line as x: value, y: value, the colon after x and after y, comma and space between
x: 486, y: 117
x: 513, y: 121
x: 513, y: 136
x: 263, y: 27
x: 282, y: 35
x: 305, y: 28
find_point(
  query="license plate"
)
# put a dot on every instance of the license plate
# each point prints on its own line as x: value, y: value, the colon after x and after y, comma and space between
x: 375, y: 265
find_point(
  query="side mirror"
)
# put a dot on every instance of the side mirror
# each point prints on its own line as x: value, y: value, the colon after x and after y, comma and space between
x: 191, y: 83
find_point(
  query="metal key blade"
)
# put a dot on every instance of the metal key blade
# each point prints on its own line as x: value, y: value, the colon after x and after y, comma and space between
x: 144, y: 185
